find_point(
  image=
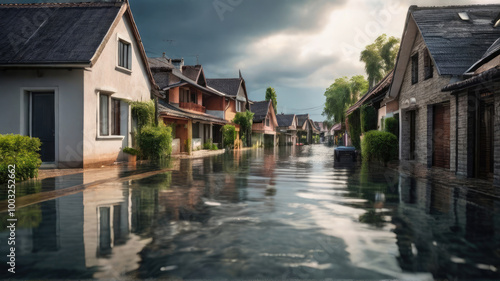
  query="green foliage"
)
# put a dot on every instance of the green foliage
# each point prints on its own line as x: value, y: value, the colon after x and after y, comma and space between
x: 316, y: 139
x: 144, y: 111
x: 379, y: 58
x: 271, y: 95
x: 245, y: 120
x: 354, y: 125
x: 155, y: 142
x: 214, y: 147
x: 131, y: 151
x: 21, y: 151
x: 369, y: 118
x: 229, y: 135
x: 343, y: 93
x: 208, y: 144
x: 392, y: 126
x: 378, y: 145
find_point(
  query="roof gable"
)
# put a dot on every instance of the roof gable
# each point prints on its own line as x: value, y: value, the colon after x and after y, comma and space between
x: 229, y: 86
x: 285, y: 120
x: 260, y: 110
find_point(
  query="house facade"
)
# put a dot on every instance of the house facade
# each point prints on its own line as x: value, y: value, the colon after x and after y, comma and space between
x: 304, y: 129
x: 71, y: 89
x: 187, y: 103
x: 264, y: 124
x: 287, y: 129
x: 478, y: 126
x: 436, y: 49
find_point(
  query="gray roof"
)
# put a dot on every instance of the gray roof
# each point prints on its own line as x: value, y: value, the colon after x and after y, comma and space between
x: 229, y: 86
x: 285, y: 120
x: 484, y: 79
x: 53, y: 33
x: 260, y: 110
x: 456, y: 44
x: 492, y: 51
x: 192, y: 71
x: 301, y: 119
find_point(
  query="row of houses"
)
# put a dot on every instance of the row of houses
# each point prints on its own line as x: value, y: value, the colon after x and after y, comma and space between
x: 444, y: 90
x: 68, y: 72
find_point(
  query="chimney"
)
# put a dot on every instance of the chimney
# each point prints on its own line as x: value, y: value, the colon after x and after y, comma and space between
x: 178, y: 63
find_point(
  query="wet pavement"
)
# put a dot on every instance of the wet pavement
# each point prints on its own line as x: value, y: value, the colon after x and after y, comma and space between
x: 256, y: 214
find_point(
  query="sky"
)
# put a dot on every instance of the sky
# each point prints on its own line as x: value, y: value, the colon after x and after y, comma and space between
x: 297, y: 47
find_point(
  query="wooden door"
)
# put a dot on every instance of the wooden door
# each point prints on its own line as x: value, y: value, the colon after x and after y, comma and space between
x: 441, y: 136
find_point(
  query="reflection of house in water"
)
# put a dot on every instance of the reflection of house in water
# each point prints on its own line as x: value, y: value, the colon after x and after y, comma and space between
x: 430, y: 216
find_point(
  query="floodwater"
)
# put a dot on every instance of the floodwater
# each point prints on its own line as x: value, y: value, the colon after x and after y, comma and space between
x: 261, y: 214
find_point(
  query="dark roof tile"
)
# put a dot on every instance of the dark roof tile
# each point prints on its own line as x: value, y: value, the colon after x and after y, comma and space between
x: 260, y: 110
x: 229, y: 86
x: 285, y: 120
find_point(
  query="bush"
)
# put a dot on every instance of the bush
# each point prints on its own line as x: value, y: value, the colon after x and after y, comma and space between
x: 354, y: 125
x: 21, y: 151
x: 144, y: 112
x: 208, y: 144
x: 377, y: 145
x: 214, y: 147
x: 392, y: 126
x: 368, y: 118
x: 155, y: 142
x: 131, y: 151
x: 229, y: 135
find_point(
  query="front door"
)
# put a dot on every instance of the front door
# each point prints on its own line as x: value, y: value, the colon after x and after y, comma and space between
x: 485, y: 154
x: 43, y: 123
x: 441, y: 136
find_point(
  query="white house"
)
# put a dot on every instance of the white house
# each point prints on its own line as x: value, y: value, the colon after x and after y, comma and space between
x: 67, y: 71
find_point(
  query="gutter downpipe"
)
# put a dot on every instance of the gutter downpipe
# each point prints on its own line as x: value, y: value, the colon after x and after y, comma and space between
x: 456, y: 134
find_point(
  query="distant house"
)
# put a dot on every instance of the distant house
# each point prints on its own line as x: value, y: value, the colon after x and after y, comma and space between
x: 287, y: 129
x: 478, y: 126
x: 187, y: 103
x: 377, y: 97
x: 68, y: 71
x: 264, y: 124
x: 323, y: 131
x: 304, y: 129
x: 438, y: 45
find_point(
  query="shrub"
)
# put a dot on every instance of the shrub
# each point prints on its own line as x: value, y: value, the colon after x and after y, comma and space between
x: 21, y: 151
x: 368, y: 118
x: 392, y: 126
x: 214, y: 147
x: 144, y: 112
x: 208, y: 144
x: 229, y: 135
x: 377, y: 145
x: 155, y: 142
x: 355, y: 128
x: 245, y: 120
x: 131, y: 151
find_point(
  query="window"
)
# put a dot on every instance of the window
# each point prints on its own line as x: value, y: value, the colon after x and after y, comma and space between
x: 238, y: 106
x: 267, y: 122
x: 194, y: 98
x: 184, y: 95
x: 109, y: 116
x: 428, y: 66
x: 414, y: 69
x: 124, y: 54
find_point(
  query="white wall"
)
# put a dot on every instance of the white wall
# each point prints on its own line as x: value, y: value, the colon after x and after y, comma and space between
x: 67, y: 86
x: 104, y: 76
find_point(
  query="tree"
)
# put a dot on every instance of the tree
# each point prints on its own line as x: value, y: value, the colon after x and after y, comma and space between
x: 341, y: 94
x: 271, y: 95
x: 379, y: 58
x: 245, y: 120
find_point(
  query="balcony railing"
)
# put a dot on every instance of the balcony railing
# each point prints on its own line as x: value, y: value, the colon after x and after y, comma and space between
x: 192, y: 106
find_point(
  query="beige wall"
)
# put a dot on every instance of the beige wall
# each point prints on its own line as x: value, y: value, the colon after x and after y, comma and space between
x: 106, y: 77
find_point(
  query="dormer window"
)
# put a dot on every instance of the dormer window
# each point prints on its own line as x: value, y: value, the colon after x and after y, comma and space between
x: 124, y: 54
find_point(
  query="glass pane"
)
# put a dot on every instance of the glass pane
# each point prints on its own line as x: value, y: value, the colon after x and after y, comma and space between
x: 120, y: 53
x: 104, y: 231
x: 103, y: 115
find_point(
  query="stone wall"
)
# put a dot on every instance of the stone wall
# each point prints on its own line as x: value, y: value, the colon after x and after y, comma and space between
x: 426, y: 92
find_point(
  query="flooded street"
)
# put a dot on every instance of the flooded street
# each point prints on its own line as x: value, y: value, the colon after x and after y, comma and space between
x: 261, y: 214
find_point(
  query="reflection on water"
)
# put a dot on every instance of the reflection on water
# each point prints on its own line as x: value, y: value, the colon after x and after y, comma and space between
x: 259, y: 214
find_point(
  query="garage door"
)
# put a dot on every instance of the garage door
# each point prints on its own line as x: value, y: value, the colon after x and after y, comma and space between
x: 441, y: 136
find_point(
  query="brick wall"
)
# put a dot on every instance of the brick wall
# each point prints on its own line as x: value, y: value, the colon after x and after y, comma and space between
x: 462, y: 134
x: 426, y: 92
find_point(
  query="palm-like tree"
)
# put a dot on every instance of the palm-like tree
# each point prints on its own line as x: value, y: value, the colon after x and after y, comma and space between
x: 379, y: 58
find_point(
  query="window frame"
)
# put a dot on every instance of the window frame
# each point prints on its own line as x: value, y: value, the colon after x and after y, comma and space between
x: 127, y: 68
x: 428, y: 65
x: 112, y: 122
x: 267, y: 122
x: 414, y: 68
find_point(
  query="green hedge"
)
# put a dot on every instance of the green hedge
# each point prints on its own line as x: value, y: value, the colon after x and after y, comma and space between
x: 392, y: 126
x: 368, y: 118
x: 378, y: 145
x: 229, y: 135
x: 354, y: 125
x: 155, y: 142
x: 21, y: 151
